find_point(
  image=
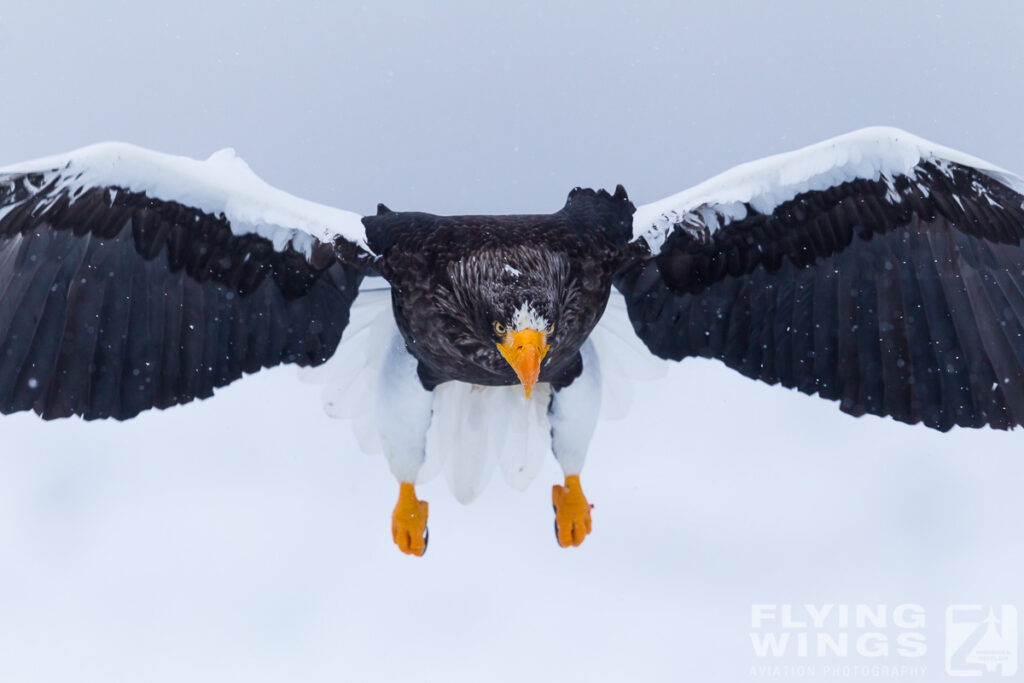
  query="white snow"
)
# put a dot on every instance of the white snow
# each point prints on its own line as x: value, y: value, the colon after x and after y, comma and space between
x: 222, y: 184
x: 868, y: 153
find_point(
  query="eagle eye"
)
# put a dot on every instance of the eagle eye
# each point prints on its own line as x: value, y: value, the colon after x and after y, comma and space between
x: 499, y: 329
x: 550, y: 329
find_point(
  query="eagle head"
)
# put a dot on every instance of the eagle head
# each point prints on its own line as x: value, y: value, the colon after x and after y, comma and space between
x: 508, y: 306
x: 523, y: 342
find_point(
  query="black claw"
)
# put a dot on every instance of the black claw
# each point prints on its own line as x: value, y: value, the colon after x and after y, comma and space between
x: 426, y: 540
x: 556, y: 534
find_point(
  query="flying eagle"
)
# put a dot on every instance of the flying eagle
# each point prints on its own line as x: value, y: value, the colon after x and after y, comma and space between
x: 876, y: 269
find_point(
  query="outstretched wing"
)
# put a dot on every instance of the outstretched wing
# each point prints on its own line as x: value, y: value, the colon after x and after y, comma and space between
x: 876, y: 269
x: 131, y: 279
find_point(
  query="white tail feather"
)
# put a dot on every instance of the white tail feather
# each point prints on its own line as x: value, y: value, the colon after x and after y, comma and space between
x: 528, y: 440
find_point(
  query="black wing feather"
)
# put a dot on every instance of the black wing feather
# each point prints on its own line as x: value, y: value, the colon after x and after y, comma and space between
x: 112, y: 302
x: 897, y: 296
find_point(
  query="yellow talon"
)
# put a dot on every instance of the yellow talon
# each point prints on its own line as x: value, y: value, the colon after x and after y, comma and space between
x: 572, y: 512
x: 409, y: 521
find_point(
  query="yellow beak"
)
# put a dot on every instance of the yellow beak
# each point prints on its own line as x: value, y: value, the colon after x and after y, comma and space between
x: 524, y: 351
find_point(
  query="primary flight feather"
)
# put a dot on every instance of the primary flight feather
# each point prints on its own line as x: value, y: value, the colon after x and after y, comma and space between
x: 876, y: 269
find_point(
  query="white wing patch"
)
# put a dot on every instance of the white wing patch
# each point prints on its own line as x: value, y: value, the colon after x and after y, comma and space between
x: 870, y: 153
x: 624, y: 359
x: 350, y: 376
x: 222, y: 184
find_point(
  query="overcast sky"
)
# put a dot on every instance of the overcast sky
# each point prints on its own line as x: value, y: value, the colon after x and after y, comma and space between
x: 245, y: 538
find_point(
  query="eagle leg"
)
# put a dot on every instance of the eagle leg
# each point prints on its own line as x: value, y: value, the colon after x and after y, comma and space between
x: 403, y: 418
x: 409, y: 521
x: 573, y: 416
x: 572, y: 512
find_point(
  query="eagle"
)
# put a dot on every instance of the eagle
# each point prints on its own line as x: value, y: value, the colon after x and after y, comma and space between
x: 876, y: 269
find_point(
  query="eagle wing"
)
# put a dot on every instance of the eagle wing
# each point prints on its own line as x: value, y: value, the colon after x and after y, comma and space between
x: 131, y: 279
x: 876, y: 269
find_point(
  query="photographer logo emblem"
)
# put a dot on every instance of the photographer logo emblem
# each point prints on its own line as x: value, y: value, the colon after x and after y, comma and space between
x: 981, y: 640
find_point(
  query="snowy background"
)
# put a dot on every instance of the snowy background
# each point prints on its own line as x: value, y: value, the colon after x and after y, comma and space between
x: 246, y: 538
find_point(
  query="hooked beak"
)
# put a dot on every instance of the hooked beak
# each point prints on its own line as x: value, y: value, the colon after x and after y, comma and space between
x: 524, y: 350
